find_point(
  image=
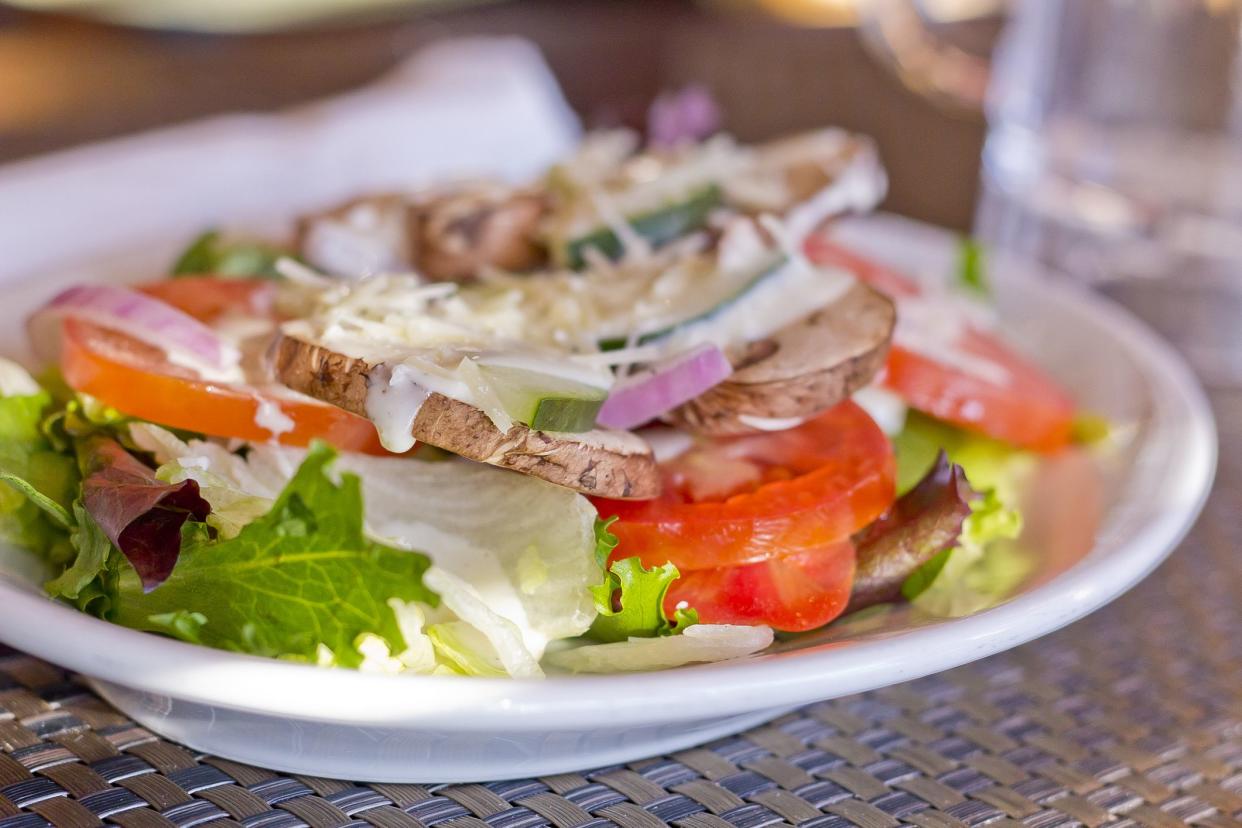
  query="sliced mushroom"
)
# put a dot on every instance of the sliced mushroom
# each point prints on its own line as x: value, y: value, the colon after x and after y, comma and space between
x: 462, y: 232
x: 799, y: 371
x: 446, y: 236
x: 605, y: 463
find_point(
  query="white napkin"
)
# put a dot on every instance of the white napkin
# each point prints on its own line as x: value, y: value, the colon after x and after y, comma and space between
x: 456, y: 109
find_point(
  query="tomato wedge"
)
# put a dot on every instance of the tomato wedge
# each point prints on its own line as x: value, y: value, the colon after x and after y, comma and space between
x: 207, y: 298
x: 794, y: 593
x: 821, y: 250
x: 137, y: 379
x: 1028, y: 409
x: 747, y: 499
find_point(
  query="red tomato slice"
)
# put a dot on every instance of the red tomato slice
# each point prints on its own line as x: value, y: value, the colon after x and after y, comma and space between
x: 821, y: 250
x: 748, y: 499
x: 137, y: 379
x: 207, y: 298
x: 793, y: 593
x: 1029, y: 410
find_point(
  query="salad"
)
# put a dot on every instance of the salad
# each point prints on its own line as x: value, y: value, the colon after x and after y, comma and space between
x: 641, y: 412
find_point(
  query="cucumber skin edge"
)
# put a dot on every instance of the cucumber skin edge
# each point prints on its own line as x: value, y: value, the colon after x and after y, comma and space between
x: 617, y: 343
x: 659, y: 227
x: 569, y: 415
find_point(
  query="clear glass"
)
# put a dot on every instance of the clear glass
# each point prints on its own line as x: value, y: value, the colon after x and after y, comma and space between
x: 1114, y: 153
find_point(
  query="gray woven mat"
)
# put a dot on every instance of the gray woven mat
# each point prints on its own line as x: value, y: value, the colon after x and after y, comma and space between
x: 1131, y: 717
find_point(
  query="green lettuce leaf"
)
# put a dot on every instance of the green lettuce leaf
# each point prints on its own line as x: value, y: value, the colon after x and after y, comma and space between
x: 989, y: 464
x: 527, y: 557
x: 76, y: 417
x: 52, y: 510
x: 700, y: 643
x: 181, y: 624
x: 87, y: 580
x: 40, y: 481
x: 141, y: 514
x: 972, y: 272
x: 982, y: 569
x: 29, y: 461
x: 1090, y: 429
x: 466, y: 649
x: 500, y: 635
x: 210, y: 253
x: 985, y: 565
x: 630, y: 600
x: 921, y: 525
x: 45, y: 436
x: 302, y: 579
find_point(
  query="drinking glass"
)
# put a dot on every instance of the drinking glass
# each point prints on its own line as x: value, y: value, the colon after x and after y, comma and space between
x: 1114, y: 148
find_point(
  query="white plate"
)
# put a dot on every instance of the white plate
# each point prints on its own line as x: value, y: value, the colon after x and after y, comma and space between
x: 121, y: 210
x: 299, y: 718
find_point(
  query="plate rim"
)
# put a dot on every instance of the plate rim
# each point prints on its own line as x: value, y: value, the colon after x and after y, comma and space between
x: 37, y: 625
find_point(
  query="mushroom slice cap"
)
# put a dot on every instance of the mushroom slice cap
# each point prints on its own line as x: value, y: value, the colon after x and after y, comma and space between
x: 604, y: 463
x: 462, y: 233
x: 797, y: 372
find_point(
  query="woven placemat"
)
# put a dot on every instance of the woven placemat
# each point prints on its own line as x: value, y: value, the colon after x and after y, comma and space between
x: 1130, y: 717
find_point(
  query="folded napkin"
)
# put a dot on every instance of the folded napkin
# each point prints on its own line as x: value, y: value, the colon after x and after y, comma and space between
x: 458, y: 108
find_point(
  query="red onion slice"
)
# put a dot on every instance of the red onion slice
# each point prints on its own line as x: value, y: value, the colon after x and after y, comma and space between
x: 145, y: 318
x: 644, y: 396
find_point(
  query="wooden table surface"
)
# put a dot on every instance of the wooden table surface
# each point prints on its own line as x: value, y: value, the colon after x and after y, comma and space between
x: 65, y: 81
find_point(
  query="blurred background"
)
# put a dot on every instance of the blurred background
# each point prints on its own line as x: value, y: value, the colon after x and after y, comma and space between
x: 74, y: 71
x: 1102, y: 138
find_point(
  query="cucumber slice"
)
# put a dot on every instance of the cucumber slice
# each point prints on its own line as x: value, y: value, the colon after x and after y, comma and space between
x: 542, y: 401
x: 658, y: 227
x: 772, y: 267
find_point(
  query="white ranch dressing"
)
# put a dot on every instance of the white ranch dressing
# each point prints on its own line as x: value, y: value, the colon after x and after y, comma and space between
x: 399, y: 384
x: 770, y: 423
x: 394, y: 399
x: 229, y: 372
x: 269, y: 416
x: 667, y: 442
x: 886, y: 408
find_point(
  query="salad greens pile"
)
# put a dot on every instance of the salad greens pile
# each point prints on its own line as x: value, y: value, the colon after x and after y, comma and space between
x: 212, y: 253
x: 679, y: 339
x: 986, y: 563
x: 309, y: 556
x: 302, y: 581
x: 631, y: 597
x: 270, y: 551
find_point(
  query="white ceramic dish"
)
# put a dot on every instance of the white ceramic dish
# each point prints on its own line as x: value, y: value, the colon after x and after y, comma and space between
x: 428, y: 729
